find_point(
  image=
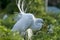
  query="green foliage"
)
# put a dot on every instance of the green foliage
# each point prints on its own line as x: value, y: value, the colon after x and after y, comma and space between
x: 8, y: 22
x: 37, y: 8
x: 41, y: 35
x: 6, y: 34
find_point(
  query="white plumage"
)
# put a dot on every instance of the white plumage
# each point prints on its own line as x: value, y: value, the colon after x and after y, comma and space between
x: 37, y: 24
x: 26, y: 21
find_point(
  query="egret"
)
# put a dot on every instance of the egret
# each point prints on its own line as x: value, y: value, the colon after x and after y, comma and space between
x: 26, y: 21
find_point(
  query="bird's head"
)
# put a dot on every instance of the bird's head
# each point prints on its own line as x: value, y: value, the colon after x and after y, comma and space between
x: 38, y: 23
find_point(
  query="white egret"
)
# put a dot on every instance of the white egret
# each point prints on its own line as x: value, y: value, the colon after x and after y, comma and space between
x: 26, y: 21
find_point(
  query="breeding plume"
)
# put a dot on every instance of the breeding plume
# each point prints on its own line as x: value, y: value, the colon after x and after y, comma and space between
x: 26, y: 21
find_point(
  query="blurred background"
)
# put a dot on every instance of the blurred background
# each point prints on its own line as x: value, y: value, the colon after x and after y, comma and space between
x: 9, y: 13
x: 53, y: 6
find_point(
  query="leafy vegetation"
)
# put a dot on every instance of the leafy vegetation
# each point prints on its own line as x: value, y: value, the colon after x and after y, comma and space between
x: 6, y: 34
x: 33, y: 6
